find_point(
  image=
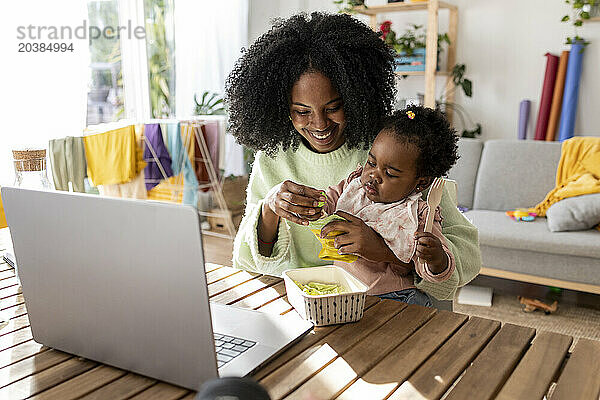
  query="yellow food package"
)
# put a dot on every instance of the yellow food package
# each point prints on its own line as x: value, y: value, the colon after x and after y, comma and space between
x: 328, y: 250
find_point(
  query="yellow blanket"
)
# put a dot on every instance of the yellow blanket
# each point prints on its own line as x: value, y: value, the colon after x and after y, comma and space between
x: 578, y: 172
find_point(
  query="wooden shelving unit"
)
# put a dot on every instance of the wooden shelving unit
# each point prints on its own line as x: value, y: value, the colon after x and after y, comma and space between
x: 420, y: 73
x: 432, y: 7
x: 393, y: 7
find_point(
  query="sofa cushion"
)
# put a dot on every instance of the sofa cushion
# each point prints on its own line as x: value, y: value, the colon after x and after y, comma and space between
x: 574, y: 213
x: 498, y: 230
x: 464, y: 171
x: 556, y: 266
x: 515, y: 173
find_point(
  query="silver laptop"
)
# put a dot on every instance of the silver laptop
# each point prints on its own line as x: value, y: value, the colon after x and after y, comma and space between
x: 122, y: 282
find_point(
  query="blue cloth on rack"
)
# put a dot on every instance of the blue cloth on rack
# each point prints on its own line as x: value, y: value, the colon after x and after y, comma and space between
x: 180, y: 162
x: 152, y: 172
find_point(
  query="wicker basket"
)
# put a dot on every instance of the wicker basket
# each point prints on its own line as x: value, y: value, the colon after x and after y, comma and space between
x: 29, y: 160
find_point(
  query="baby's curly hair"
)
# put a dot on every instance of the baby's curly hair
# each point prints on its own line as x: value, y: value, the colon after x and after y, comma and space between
x: 429, y: 130
x: 358, y: 63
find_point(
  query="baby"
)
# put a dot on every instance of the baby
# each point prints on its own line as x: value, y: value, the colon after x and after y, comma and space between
x: 385, y: 214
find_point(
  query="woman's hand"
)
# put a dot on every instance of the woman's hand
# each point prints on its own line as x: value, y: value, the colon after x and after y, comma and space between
x: 296, y: 203
x: 430, y: 250
x: 360, y: 239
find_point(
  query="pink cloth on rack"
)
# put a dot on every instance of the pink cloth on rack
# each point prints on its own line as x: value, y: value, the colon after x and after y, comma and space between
x: 210, y: 132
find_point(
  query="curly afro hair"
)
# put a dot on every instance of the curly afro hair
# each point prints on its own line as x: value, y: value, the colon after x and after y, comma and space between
x: 358, y: 63
x: 430, y: 132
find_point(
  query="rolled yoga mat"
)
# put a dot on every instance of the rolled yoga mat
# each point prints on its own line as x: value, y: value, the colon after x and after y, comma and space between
x: 569, y: 103
x: 546, y: 100
x: 523, y: 118
x: 557, y: 96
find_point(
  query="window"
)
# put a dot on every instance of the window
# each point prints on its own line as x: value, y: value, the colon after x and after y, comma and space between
x: 105, y: 101
x: 161, y: 56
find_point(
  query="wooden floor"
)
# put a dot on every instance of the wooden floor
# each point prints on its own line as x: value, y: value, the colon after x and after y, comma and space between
x: 217, y: 250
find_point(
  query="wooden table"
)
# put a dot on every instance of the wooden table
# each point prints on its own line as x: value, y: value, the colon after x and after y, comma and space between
x: 396, y: 351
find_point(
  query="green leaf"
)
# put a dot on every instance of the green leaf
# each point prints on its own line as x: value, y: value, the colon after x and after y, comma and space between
x: 467, y: 87
x: 217, y: 102
x: 579, y: 22
x: 210, y: 99
x: 472, y: 133
x: 565, y: 18
x: 585, y: 15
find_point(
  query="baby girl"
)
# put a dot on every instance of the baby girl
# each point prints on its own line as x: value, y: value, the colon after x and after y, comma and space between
x: 385, y: 214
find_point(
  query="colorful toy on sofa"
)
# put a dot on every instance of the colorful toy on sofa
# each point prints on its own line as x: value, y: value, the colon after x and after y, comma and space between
x: 521, y: 214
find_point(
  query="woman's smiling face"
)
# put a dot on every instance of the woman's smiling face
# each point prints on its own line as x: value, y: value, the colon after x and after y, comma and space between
x: 317, y: 112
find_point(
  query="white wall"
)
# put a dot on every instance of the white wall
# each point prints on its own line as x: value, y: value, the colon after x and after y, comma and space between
x: 502, y: 44
x: 44, y: 94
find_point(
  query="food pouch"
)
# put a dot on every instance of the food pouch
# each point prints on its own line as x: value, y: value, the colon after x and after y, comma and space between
x: 328, y: 250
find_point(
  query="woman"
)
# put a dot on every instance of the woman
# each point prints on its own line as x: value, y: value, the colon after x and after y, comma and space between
x: 309, y: 95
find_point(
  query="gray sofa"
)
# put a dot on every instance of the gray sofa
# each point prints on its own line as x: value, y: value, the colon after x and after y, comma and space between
x: 501, y: 175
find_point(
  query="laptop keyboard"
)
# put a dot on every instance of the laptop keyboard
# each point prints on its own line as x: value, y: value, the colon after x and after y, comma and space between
x: 229, y: 347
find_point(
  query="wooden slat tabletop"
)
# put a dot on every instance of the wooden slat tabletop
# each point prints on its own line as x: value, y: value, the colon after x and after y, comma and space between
x: 396, y: 351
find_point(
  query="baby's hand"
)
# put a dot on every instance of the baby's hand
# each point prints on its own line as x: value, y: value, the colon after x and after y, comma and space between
x: 430, y: 250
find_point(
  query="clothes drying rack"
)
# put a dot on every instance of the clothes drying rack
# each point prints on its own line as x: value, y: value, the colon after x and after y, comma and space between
x: 191, y: 129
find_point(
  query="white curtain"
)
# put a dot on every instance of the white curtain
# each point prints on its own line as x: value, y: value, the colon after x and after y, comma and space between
x: 209, y: 36
x: 134, y: 63
x: 44, y: 93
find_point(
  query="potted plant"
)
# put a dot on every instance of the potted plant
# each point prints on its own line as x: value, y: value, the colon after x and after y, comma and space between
x: 410, y: 46
x: 209, y: 105
x: 459, y: 80
x: 581, y: 10
x: 347, y: 6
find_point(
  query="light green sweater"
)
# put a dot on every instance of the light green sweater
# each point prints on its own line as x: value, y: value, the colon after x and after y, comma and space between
x: 297, y: 247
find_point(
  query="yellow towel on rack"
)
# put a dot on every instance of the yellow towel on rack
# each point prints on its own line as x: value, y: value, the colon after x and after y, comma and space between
x: 113, y: 157
x: 578, y: 171
x: 136, y: 188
